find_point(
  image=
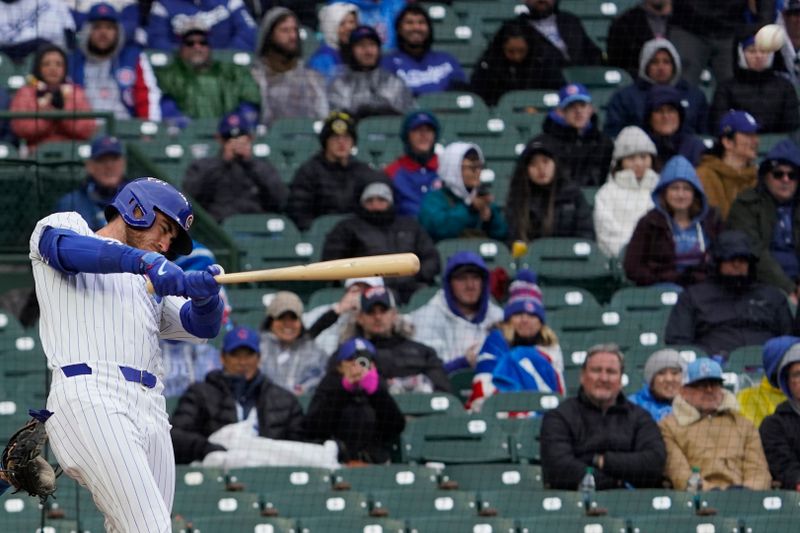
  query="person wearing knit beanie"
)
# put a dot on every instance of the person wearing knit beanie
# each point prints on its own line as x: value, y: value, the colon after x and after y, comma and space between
x: 626, y: 196
x: 663, y: 376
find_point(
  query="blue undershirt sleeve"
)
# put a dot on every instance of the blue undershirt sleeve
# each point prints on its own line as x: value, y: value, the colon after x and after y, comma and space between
x: 203, y: 318
x: 71, y: 253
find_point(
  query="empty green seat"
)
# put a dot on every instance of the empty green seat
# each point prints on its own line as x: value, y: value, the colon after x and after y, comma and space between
x: 383, y: 477
x: 644, y: 502
x: 769, y: 524
x: 568, y: 261
x: 195, y: 504
x: 597, y: 76
x: 494, y: 253
x: 688, y: 524
x: 737, y: 504
x: 644, y: 299
x: 461, y: 383
x: 456, y: 440
x: 502, y: 404
x: 60, y: 151
x: 524, y: 438
x: 268, y: 240
x: 453, y: 103
x: 135, y: 130
x: 276, y: 478
x: 250, y: 524
x: 243, y: 300
x: 325, y: 296
x: 296, y: 504
x: 448, y: 524
x: 422, y: 404
x: 531, y: 504
x: 467, y: 53
x: 420, y: 298
x: 745, y: 359
x: 574, y: 524
x: 495, y: 477
x: 351, y: 524
x: 479, y: 125
x: 408, y: 504
x: 556, y: 298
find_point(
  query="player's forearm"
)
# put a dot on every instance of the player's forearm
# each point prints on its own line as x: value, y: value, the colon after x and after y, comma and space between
x: 203, y: 318
x: 70, y: 253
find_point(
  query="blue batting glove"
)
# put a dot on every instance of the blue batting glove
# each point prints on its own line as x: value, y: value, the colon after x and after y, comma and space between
x: 200, y: 286
x: 167, y: 277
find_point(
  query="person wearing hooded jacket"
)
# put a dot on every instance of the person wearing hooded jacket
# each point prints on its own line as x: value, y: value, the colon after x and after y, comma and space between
x: 422, y: 69
x: 670, y: 243
x: 381, y: 15
x: 376, y: 229
x: 364, y: 88
x: 115, y: 74
x: 780, y: 431
x: 769, y: 214
x: 288, y: 88
x: 457, y: 319
x: 659, y: 64
x: 460, y: 208
x: 756, y: 87
x: 664, y: 117
x: 627, y: 195
x: 730, y: 309
x: 542, y: 202
x: 759, y: 401
x: 415, y: 172
x: 336, y: 21
x: 628, y: 32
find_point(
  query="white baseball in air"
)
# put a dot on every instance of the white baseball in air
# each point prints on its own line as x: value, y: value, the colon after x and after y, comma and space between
x: 770, y: 38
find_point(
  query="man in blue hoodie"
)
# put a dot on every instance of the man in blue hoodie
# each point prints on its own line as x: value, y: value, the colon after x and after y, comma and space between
x: 769, y: 214
x: 457, y: 319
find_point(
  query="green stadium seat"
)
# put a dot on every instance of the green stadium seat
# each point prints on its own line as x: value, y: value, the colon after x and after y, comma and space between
x: 467, y: 53
x: 351, y: 524
x: 268, y: 240
x: 523, y: 504
x: 7, y: 69
x: 494, y: 253
x: 158, y: 58
x: 446, y: 104
x: 326, y: 296
x: 245, y: 300
x: 597, y: 77
x: 135, y: 130
x: 384, y: 477
x: 502, y: 405
x: 320, y: 228
x: 767, y: 140
x: 495, y: 477
x: 297, y: 504
x: 455, y: 440
x: 746, y: 359
x: 644, y: 299
x: 693, y: 524
x: 10, y: 327
x: 476, y: 126
x: 229, y: 524
x: 769, y: 524
x: 448, y: 26
x: 170, y: 157
x: 528, y: 101
x: 419, y: 298
x: 501, y: 148
x: 524, y: 441
x: 237, y: 57
x: 57, y: 152
x: 423, y: 404
x: 279, y: 478
x: 417, y: 503
x: 461, y: 383
x: 743, y: 503
x: 571, y: 524
x: 488, y: 16
x: 556, y: 298
x: 193, y: 479
x: 8, y: 151
x: 645, y: 502
x: 448, y: 524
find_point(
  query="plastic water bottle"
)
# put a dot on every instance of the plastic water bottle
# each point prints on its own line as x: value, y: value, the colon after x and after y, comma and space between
x: 695, y: 486
x: 587, y: 489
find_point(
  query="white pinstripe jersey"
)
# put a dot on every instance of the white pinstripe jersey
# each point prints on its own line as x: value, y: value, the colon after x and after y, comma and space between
x: 100, y: 317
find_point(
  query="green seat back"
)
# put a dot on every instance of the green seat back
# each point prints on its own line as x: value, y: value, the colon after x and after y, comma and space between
x: 416, y: 503
x: 455, y: 440
x: 350, y: 524
x: 510, y: 477
x: 503, y: 404
x: 423, y: 404
x: 297, y: 504
x: 279, y: 478
x: 383, y: 477
x: 531, y: 504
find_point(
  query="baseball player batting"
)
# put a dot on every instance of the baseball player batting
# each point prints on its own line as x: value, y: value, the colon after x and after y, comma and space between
x: 100, y: 330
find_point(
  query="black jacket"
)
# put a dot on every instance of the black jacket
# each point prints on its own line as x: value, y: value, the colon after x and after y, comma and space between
x: 208, y: 406
x: 780, y: 437
x: 626, y: 35
x: 586, y: 159
x: 225, y: 188
x: 364, y: 425
x: 365, y: 235
x: 399, y: 356
x: 572, y: 215
x: 715, y: 18
x: 626, y: 435
x: 321, y: 188
x: 720, y: 319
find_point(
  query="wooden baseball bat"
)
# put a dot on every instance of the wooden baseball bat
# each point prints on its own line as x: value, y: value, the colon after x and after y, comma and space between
x: 390, y: 265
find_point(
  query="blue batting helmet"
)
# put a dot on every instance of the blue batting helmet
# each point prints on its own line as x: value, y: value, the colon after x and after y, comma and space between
x: 149, y: 195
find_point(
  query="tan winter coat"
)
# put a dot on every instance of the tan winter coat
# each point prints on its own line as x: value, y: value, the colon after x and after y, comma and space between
x: 725, y: 445
x: 723, y: 183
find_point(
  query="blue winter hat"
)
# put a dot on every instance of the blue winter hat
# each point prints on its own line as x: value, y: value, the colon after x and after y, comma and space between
x: 364, y: 32
x: 571, y: 93
x: 234, y: 125
x: 103, y: 11
x: 105, y: 145
x: 416, y: 119
x: 735, y: 121
x: 702, y: 369
x: 785, y: 151
x: 773, y: 354
x: 355, y: 347
x: 241, y: 337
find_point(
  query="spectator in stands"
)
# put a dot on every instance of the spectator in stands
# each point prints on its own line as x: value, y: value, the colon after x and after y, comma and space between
x: 542, y: 201
x: 780, y: 432
x: 521, y: 352
x: 663, y: 376
x: 237, y: 392
x: 758, y: 89
x: 336, y: 318
x: 770, y: 216
x: 229, y: 24
x: 559, y: 37
x: 194, y: 85
x: 705, y: 430
x: 423, y: 70
x: 105, y: 175
x: 406, y: 365
x: 233, y: 181
x: 703, y: 31
x: 117, y: 77
x: 325, y: 184
x: 573, y: 130
x: 336, y: 21
x: 730, y: 309
x: 729, y: 167
x: 288, y: 88
x: 415, y: 172
x: 759, y: 401
x: 659, y: 64
x: 627, y: 195
x: 670, y: 243
x: 305, y: 10
x: 352, y: 404
x: 27, y: 25
x: 364, y: 88
x: 664, y: 124
x: 376, y: 229
x: 601, y: 429
x: 628, y: 32
x: 456, y: 320
x: 789, y: 18
x: 381, y: 15
x: 130, y: 16
x: 462, y: 207
x: 289, y: 356
x: 48, y: 90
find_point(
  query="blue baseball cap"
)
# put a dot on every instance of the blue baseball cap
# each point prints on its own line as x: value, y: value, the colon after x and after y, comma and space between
x: 105, y: 145
x: 103, y: 11
x: 364, y: 32
x: 355, y: 347
x: 241, y: 337
x: 737, y: 122
x: 703, y: 369
x: 377, y: 296
x: 571, y: 93
x: 234, y: 125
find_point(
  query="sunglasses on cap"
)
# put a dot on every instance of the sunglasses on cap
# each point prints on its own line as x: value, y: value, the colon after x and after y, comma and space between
x: 778, y: 174
x: 190, y: 43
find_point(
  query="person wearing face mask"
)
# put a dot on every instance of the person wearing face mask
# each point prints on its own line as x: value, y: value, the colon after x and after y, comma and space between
x: 632, y: 29
x: 757, y: 88
x: 542, y: 202
x: 670, y: 243
x: 730, y: 309
x: 462, y: 208
x: 336, y: 21
x: 663, y: 375
x: 626, y: 196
